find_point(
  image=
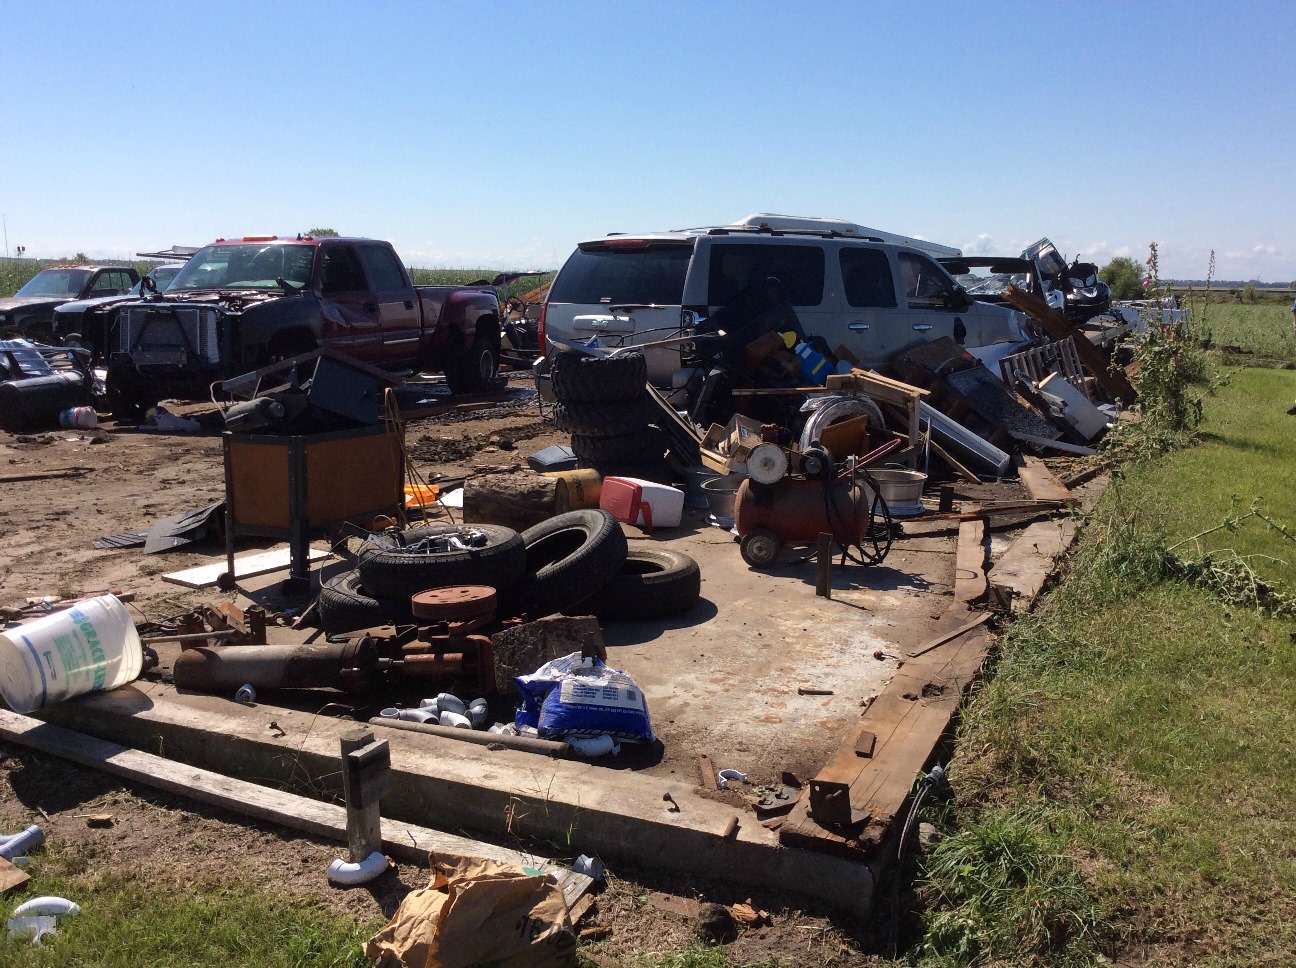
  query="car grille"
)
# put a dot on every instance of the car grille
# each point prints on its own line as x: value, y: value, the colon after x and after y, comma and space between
x: 170, y: 335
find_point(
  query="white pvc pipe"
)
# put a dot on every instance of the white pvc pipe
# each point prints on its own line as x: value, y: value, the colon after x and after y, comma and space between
x: 38, y: 906
x: 348, y: 874
x: 20, y: 843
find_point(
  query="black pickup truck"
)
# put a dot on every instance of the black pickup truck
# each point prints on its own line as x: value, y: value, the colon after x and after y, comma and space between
x: 240, y: 304
x: 30, y: 311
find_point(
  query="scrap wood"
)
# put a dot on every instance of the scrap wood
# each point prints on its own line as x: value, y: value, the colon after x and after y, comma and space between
x: 582, y: 908
x: 708, y: 771
x: 403, y: 841
x: 46, y: 475
x: 1030, y: 559
x: 1055, y: 324
x: 1040, y: 482
x: 249, y: 566
x: 11, y: 876
x: 748, y: 916
x: 970, y: 582
x: 944, y: 637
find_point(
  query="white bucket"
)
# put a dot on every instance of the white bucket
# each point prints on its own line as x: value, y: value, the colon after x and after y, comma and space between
x: 89, y: 647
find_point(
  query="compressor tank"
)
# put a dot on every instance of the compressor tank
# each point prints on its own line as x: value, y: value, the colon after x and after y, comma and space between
x: 796, y: 510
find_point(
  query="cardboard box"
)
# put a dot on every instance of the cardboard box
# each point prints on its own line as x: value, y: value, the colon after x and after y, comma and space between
x: 725, y: 449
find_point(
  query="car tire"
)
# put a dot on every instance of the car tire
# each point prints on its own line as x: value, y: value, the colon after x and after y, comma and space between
x: 472, y: 370
x: 398, y: 573
x: 653, y: 583
x: 644, y: 446
x: 611, y: 419
x: 569, y: 557
x: 598, y: 379
x: 345, y: 606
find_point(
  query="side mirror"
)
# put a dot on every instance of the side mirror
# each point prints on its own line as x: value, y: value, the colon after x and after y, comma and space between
x: 148, y: 284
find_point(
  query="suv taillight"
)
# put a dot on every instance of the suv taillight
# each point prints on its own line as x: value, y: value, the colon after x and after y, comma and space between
x: 540, y: 326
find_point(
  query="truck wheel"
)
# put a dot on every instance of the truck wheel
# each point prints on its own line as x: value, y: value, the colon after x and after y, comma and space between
x: 653, y: 583
x: 127, y: 399
x: 472, y: 370
x: 599, y: 379
x: 401, y: 572
x: 642, y: 446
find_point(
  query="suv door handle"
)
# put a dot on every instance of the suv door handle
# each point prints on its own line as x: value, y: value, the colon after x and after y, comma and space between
x: 921, y: 327
x: 858, y: 327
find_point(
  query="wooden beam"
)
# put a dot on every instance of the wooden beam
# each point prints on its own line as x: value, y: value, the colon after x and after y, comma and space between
x: 942, y: 638
x: 970, y: 583
x: 1030, y: 559
x: 1041, y: 483
x: 1053, y: 322
x: 328, y: 820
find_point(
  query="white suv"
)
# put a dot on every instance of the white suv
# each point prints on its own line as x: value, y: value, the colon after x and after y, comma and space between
x: 852, y: 286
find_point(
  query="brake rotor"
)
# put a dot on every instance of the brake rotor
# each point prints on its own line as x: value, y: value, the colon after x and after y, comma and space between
x: 454, y: 602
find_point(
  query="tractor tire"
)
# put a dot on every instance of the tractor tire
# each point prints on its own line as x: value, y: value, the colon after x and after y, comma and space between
x: 598, y: 379
x: 653, y: 583
x: 398, y: 573
x: 643, y: 446
x: 603, y: 419
x: 569, y: 558
x: 345, y: 606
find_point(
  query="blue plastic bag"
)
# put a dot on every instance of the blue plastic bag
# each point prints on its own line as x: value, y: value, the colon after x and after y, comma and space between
x: 580, y: 696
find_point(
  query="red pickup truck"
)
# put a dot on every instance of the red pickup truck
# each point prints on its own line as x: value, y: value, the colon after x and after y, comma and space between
x: 241, y: 303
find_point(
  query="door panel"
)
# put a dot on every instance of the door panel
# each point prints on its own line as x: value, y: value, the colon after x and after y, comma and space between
x: 395, y: 303
x: 348, y: 309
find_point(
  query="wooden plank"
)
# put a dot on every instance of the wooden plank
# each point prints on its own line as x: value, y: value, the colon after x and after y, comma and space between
x: 945, y: 455
x: 908, y: 720
x: 708, y: 771
x: 327, y: 820
x: 45, y: 476
x: 970, y: 583
x: 249, y: 566
x: 1053, y: 322
x: 1040, y: 482
x: 1030, y: 559
x: 944, y: 637
x: 11, y: 876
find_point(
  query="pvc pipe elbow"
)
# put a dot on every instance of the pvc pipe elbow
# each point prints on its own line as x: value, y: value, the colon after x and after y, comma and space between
x: 39, y: 906
x: 348, y: 874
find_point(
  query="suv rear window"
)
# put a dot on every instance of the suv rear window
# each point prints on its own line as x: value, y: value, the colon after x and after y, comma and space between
x: 648, y: 276
x: 866, y: 278
x: 735, y: 268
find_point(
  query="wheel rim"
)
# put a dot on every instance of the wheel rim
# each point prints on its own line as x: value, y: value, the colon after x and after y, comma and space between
x: 760, y: 548
x: 486, y: 366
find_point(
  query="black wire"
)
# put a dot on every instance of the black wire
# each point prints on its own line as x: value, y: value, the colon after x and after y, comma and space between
x: 838, y: 525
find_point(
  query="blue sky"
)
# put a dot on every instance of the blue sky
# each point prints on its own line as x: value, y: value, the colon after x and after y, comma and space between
x: 500, y: 134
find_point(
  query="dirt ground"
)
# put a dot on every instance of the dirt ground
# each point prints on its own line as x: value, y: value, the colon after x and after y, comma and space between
x: 135, y: 477
x: 138, y: 476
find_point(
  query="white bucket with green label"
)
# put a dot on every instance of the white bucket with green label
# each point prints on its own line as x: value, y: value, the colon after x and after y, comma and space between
x: 89, y: 647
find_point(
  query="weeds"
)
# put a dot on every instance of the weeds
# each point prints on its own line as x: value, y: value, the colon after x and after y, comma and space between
x: 1004, y: 888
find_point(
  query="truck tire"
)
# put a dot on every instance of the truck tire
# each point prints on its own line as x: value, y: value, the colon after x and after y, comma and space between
x: 653, y: 583
x: 345, y: 606
x: 569, y: 558
x: 599, y: 379
x: 398, y: 573
x: 610, y: 419
x: 128, y: 395
x: 472, y: 370
x: 643, y: 446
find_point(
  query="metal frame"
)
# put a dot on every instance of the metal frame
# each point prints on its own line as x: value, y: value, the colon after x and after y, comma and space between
x: 1035, y: 364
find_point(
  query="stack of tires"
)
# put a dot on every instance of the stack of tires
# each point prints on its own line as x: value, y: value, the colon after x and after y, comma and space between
x: 603, y: 403
x: 576, y: 562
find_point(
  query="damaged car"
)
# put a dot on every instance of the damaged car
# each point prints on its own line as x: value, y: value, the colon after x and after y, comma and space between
x: 29, y: 312
x: 86, y: 322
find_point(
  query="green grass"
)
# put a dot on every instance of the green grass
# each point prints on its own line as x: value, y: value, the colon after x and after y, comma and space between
x: 125, y: 923
x: 1136, y: 733
x: 1264, y: 330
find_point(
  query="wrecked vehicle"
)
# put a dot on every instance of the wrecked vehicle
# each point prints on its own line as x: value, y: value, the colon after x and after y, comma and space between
x: 30, y: 311
x: 986, y: 278
x: 868, y: 293
x: 86, y: 322
x: 1075, y: 288
x: 243, y: 303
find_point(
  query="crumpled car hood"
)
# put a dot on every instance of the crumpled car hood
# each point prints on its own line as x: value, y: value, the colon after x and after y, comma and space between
x: 17, y: 302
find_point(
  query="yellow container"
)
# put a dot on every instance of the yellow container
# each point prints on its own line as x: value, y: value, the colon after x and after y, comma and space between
x: 576, y: 489
x: 421, y: 495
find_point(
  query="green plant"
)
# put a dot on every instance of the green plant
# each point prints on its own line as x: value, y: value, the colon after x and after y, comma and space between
x: 1003, y: 887
x: 1124, y: 277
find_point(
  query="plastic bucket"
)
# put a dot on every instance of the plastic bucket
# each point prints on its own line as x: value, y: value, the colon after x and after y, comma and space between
x: 89, y: 647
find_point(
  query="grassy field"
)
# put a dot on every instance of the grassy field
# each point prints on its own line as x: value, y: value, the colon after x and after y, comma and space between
x: 1123, y: 787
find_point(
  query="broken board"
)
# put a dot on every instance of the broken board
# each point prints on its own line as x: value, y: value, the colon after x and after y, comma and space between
x: 249, y: 566
x: 970, y: 583
x: 1030, y: 559
x: 1039, y: 481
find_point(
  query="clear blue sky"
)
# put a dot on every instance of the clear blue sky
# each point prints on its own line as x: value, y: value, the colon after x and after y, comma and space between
x: 500, y: 134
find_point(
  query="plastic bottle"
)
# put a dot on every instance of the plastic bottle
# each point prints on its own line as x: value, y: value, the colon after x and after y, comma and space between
x: 813, y: 365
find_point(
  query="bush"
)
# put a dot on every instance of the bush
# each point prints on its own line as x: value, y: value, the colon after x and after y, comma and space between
x: 1125, y: 277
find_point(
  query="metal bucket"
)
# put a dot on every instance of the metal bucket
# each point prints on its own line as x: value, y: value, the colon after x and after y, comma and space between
x: 902, y: 490
x: 720, y: 494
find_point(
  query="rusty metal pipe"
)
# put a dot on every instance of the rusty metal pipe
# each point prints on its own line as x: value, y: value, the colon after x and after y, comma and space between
x: 223, y: 668
x: 528, y: 744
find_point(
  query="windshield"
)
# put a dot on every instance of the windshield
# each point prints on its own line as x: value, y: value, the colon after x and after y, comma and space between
x: 995, y: 284
x: 163, y: 275
x: 251, y: 265
x: 56, y: 282
x: 649, y: 275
